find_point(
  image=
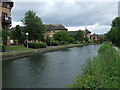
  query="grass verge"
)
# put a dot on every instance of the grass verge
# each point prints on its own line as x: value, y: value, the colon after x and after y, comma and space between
x: 99, y: 72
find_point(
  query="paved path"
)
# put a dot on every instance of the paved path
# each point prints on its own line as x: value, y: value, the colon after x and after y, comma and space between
x: 118, y: 49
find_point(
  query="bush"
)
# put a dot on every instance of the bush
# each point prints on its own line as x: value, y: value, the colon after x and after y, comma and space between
x: 47, y: 40
x: 42, y: 45
x: 101, y: 71
x: 54, y: 43
x: 3, y: 48
x: 75, y: 43
x: 71, y: 40
x: 35, y: 45
x: 66, y: 43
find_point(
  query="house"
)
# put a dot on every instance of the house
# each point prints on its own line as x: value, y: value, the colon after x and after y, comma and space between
x: 52, y: 28
x: 5, y: 16
x: 94, y: 37
x: 86, y: 32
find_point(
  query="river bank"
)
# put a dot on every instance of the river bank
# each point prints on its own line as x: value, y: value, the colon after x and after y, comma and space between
x: 25, y: 53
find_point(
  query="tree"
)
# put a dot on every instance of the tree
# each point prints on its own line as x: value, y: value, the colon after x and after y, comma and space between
x: 114, y: 34
x: 33, y: 26
x: 4, y: 34
x: 86, y: 39
x: 17, y: 34
x: 48, y: 40
x: 116, y: 22
x: 61, y: 36
x: 79, y: 36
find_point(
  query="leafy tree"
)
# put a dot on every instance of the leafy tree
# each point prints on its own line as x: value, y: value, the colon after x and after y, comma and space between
x: 79, y: 36
x: 47, y: 40
x: 86, y: 39
x: 17, y: 34
x: 114, y: 34
x: 33, y: 26
x: 116, y: 22
x: 3, y: 35
x: 61, y: 36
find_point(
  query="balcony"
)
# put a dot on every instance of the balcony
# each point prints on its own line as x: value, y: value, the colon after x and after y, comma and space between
x: 6, y: 20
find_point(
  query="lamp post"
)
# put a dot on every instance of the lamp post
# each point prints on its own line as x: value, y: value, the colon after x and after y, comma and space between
x: 50, y: 39
x: 27, y: 38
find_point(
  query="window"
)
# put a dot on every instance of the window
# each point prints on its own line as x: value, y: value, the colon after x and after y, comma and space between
x: 4, y: 4
x: 53, y: 31
x: 4, y: 14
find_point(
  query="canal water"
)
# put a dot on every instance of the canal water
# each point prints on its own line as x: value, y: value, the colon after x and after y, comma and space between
x: 49, y: 70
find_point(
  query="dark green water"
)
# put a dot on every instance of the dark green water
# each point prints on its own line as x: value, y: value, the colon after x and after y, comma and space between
x: 50, y: 70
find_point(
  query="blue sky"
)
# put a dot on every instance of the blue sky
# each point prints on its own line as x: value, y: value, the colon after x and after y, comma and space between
x: 97, y: 16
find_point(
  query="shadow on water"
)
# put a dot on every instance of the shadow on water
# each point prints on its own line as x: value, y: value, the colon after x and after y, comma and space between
x: 49, y: 70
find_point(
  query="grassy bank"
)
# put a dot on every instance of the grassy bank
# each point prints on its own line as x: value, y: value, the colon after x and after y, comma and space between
x: 99, y: 72
x: 29, y: 52
x: 16, y: 48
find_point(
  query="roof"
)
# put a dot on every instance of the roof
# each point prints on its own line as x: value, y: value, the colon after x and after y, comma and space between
x: 54, y: 27
x: 86, y: 31
x: 72, y: 32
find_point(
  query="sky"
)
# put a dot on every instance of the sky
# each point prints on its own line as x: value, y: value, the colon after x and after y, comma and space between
x: 94, y: 15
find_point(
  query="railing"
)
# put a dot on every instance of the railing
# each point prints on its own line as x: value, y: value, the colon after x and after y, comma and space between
x: 6, y: 20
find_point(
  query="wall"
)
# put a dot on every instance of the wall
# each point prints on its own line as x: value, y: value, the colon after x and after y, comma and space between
x: 48, y: 34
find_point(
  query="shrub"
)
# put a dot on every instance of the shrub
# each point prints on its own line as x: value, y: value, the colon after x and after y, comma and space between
x: 66, y: 43
x: 75, y: 43
x: 3, y: 48
x: 47, y: 40
x: 54, y: 43
x: 35, y: 45
x: 101, y: 71
x: 42, y: 45
x: 71, y: 40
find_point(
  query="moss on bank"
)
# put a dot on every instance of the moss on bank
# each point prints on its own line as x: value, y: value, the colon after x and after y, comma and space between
x: 101, y: 71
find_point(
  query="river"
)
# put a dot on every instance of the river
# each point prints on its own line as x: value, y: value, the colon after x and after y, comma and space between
x: 49, y: 70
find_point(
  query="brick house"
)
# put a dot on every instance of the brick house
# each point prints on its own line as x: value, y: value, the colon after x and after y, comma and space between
x: 5, y: 16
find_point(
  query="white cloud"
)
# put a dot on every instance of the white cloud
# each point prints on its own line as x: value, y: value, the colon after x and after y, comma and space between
x: 16, y: 23
x: 96, y: 28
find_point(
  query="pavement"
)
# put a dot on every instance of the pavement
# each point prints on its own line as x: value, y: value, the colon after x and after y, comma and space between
x: 118, y: 49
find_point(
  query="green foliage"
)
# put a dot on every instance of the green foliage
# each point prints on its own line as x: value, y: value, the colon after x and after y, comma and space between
x: 114, y: 34
x: 116, y: 22
x: 3, y: 48
x: 61, y: 36
x: 86, y: 39
x: 35, y: 45
x: 66, y: 43
x: 75, y: 43
x: 79, y: 36
x: 33, y: 26
x: 48, y: 40
x: 71, y: 39
x: 3, y: 35
x: 101, y: 71
x: 17, y: 34
x: 54, y: 43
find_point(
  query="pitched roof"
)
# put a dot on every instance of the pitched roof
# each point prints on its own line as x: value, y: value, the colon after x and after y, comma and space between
x: 86, y: 31
x: 72, y: 32
x: 54, y: 27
